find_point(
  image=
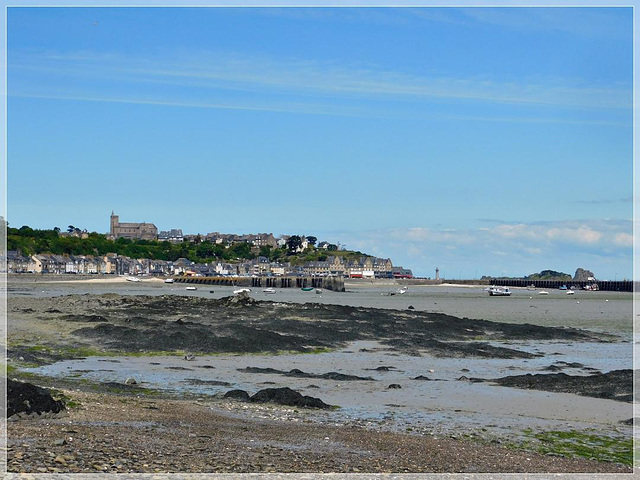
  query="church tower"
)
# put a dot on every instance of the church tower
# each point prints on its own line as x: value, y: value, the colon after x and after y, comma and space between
x: 115, y: 220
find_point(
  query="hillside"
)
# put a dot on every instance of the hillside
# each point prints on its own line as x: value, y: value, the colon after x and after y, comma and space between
x: 33, y: 241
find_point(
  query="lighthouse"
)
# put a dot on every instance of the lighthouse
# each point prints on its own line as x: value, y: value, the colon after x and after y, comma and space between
x: 437, y: 273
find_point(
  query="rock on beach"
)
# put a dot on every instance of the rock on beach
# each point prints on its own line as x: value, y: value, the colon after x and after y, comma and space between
x: 26, y: 399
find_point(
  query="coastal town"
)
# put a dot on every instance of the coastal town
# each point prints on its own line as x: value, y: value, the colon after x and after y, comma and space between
x: 331, y: 263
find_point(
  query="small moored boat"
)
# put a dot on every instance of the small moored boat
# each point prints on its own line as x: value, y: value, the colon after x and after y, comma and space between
x: 191, y: 288
x: 499, y: 292
x: 168, y: 280
x: 542, y: 292
x: 269, y: 290
x: 307, y: 289
x: 132, y: 279
x: 241, y: 290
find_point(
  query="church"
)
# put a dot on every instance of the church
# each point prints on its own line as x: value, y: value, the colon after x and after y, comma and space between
x: 146, y: 231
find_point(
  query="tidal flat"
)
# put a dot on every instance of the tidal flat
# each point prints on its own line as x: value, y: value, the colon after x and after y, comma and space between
x: 417, y: 370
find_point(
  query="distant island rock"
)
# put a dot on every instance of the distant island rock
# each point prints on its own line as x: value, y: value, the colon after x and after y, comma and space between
x: 583, y: 275
x: 549, y: 275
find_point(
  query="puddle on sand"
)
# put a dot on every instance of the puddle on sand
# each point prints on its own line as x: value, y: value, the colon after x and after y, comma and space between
x: 445, y: 406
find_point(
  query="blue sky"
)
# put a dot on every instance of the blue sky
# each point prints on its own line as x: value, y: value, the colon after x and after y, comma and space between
x: 484, y: 141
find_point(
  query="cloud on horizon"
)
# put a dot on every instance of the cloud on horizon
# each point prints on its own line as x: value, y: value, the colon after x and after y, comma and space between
x: 512, y: 249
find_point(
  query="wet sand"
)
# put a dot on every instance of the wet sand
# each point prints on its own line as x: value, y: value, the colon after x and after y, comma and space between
x: 360, y: 341
x: 431, y: 399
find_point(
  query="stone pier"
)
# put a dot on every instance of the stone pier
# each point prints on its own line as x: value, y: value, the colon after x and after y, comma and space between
x: 335, y: 284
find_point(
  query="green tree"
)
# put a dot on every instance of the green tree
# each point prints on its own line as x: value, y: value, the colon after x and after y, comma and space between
x: 294, y: 243
x: 265, y: 251
x: 242, y: 250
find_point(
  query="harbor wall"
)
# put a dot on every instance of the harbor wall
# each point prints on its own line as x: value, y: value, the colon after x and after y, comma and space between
x: 607, y: 286
x: 335, y: 284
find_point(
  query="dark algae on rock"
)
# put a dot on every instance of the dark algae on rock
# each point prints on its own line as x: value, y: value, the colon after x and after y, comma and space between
x: 26, y: 398
x: 614, y: 385
x: 200, y: 325
x: 287, y: 396
x: 341, y: 377
x: 280, y: 396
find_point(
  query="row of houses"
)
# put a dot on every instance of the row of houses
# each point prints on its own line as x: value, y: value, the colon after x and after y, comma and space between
x: 362, y: 267
x: 58, y: 264
x: 149, y: 231
x: 257, y: 240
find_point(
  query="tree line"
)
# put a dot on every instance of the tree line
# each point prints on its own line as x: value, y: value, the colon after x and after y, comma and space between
x: 34, y: 241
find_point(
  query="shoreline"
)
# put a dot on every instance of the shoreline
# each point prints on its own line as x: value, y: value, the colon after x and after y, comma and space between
x: 29, y: 278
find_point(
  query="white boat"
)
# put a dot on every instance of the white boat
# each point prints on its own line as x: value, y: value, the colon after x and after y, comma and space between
x: 570, y: 292
x: 542, y: 292
x: 499, y: 292
x: 269, y: 290
x: 241, y: 290
x: 191, y: 288
x: 319, y: 291
x: 403, y: 290
x: 168, y: 280
x: 132, y: 279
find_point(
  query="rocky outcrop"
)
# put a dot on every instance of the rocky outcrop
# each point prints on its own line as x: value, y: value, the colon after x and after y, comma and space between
x: 25, y: 399
x: 296, y: 373
x: 286, y: 396
x: 238, y: 395
x: 614, y: 385
x: 583, y: 275
x: 281, y: 396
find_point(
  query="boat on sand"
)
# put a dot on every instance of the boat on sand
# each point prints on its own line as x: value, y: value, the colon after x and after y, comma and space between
x: 499, y: 292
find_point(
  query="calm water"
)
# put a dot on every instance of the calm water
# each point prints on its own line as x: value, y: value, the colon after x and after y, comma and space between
x: 442, y: 406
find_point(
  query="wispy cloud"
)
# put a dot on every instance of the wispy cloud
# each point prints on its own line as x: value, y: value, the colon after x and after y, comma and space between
x: 236, y: 72
x: 591, y: 22
x: 605, y: 201
x: 283, y: 107
x: 583, y: 21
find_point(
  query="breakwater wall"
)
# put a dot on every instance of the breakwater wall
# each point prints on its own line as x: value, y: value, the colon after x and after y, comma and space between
x: 606, y: 286
x: 335, y: 284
